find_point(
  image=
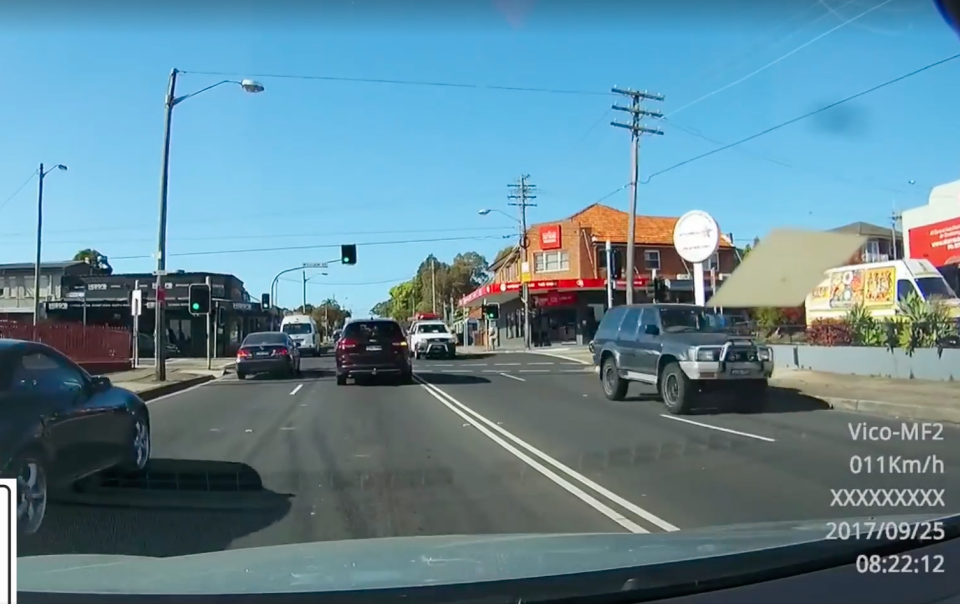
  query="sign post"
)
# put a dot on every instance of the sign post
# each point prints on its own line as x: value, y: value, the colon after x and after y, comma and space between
x: 136, y: 308
x: 8, y: 533
x: 608, y: 248
x: 696, y: 237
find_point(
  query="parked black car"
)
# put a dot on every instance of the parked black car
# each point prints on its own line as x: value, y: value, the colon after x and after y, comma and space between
x: 59, y: 424
x: 268, y: 352
x: 372, y: 348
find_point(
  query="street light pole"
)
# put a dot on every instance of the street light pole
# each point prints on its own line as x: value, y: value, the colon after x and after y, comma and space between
x: 160, y: 338
x: 172, y: 100
x: 36, y: 267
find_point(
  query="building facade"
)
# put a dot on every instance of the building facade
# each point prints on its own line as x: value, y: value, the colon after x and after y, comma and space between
x: 17, y: 286
x: 932, y: 231
x: 567, y: 275
x: 883, y: 243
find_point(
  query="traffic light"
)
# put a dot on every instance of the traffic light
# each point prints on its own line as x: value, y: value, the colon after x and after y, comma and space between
x: 348, y: 254
x: 199, y: 299
x: 264, y: 301
x: 491, y: 311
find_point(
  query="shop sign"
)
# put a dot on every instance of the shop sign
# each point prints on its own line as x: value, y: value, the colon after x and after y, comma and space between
x: 938, y: 242
x: 550, y: 237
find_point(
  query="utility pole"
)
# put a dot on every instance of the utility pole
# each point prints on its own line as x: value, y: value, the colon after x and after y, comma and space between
x: 894, y: 220
x: 637, y: 112
x: 522, y: 194
x: 304, y: 307
x: 433, y: 283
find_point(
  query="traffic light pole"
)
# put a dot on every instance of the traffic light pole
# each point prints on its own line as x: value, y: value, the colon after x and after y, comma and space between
x: 207, y: 317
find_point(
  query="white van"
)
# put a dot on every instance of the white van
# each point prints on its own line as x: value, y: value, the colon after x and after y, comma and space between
x: 302, y: 329
x: 879, y: 287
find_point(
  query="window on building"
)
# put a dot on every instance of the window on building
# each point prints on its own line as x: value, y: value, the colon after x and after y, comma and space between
x: 713, y: 262
x: 551, y: 262
x: 651, y: 259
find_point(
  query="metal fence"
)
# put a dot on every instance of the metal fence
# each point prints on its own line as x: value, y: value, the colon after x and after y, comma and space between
x: 83, y: 344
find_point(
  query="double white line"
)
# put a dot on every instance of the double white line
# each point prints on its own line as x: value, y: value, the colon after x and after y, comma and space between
x: 552, y: 469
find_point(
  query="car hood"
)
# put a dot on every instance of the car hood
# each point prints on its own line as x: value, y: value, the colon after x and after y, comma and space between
x: 399, y: 562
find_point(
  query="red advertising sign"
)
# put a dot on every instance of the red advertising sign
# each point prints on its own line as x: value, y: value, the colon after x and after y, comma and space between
x: 938, y: 242
x: 550, y: 237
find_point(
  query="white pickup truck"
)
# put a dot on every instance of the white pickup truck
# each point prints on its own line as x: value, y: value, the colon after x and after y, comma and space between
x: 432, y: 339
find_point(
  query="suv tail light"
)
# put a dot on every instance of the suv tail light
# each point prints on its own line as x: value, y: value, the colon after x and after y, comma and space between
x: 400, y: 343
x: 346, y: 344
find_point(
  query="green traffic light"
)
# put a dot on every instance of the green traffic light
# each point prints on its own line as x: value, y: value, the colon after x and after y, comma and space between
x: 196, y: 306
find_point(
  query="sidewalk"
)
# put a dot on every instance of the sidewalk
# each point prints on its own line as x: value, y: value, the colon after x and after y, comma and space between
x: 912, y: 399
x: 180, y: 376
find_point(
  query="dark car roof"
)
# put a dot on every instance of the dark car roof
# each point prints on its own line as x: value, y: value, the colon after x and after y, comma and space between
x: 10, y: 344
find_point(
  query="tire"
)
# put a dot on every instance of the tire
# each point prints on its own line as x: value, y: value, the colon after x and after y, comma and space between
x: 30, y: 471
x: 614, y: 386
x: 679, y: 392
x: 241, y: 376
x: 341, y: 380
x: 140, y: 445
x: 406, y: 377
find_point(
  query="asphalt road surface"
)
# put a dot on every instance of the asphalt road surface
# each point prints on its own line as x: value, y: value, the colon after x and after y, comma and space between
x: 505, y: 443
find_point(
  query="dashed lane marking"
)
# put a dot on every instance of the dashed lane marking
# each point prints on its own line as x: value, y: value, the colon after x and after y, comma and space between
x: 296, y: 390
x: 513, y: 377
x: 718, y: 428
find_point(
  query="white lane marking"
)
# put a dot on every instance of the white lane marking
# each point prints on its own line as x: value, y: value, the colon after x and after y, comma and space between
x: 296, y: 390
x: 577, y: 492
x: 475, y: 364
x: 718, y: 428
x: 534, y: 371
x: 185, y: 390
x: 455, y: 371
x: 506, y: 364
x: 547, y: 363
x: 642, y: 513
x: 288, y: 428
x: 513, y: 377
x: 566, y: 358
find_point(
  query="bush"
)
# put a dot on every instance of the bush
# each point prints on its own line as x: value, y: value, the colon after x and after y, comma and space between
x: 830, y: 332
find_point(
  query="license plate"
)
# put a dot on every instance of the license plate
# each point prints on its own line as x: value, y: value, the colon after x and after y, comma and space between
x: 262, y: 354
x: 374, y: 348
x: 739, y: 372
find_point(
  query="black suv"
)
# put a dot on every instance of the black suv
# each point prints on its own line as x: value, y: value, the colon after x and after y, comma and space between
x: 686, y: 351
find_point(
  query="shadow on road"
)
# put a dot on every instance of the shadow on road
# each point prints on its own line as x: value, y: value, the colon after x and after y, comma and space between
x: 173, y: 508
x: 471, y: 356
x: 451, y: 379
x: 781, y: 400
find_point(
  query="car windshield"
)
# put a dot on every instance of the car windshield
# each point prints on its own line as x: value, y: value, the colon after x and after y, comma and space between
x: 373, y: 331
x: 678, y: 319
x: 432, y: 328
x: 935, y: 288
x: 262, y: 339
x: 297, y: 329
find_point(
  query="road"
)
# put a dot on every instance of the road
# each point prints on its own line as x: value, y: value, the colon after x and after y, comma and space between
x: 491, y: 444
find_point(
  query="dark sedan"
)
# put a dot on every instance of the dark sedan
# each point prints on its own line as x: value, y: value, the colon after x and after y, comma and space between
x: 371, y: 348
x: 59, y: 424
x: 270, y: 352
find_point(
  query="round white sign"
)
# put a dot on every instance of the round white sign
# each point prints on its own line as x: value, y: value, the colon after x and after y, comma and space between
x: 696, y: 236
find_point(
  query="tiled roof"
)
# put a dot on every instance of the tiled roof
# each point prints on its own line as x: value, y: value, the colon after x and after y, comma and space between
x: 609, y: 223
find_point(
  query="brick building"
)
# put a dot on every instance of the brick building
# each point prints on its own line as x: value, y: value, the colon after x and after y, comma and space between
x: 568, y: 274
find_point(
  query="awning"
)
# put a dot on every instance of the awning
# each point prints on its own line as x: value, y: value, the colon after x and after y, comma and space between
x: 498, y: 293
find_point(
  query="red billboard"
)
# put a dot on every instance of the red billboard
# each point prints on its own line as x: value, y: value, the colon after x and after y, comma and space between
x: 550, y: 237
x: 938, y: 242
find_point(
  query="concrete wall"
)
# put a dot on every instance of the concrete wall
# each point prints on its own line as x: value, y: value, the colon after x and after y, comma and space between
x: 925, y: 364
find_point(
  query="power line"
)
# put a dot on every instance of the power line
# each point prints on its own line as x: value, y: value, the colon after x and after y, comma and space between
x: 6, y: 239
x: 294, y: 248
x: 805, y: 116
x: 329, y: 284
x: 17, y: 192
x: 423, y: 83
x: 779, y: 162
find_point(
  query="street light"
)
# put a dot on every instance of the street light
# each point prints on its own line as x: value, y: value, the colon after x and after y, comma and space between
x: 172, y: 100
x: 36, y: 268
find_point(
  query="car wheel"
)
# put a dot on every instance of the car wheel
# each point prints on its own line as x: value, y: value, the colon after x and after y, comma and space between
x: 406, y: 377
x: 614, y: 386
x: 31, y: 475
x: 241, y: 375
x: 677, y: 390
x: 341, y: 380
x: 141, y: 444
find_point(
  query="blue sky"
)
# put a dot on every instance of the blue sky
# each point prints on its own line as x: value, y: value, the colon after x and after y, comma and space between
x: 314, y: 162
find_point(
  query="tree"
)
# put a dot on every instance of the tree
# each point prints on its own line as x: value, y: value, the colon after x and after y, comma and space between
x: 95, y: 259
x: 330, y: 313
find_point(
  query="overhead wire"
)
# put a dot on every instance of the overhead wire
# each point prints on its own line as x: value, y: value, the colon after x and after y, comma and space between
x: 804, y: 116
x: 17, y: 191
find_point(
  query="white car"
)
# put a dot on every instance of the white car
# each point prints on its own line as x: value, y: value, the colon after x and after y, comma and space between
x: 302, y: 329
x: 432, y: 339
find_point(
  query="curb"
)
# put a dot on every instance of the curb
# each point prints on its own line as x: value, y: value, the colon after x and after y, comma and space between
x: 173, y: 387
x: 902, y: 410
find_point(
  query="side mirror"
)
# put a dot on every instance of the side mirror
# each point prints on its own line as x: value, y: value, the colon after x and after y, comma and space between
x: 100, y: 383
x: 651, y: 330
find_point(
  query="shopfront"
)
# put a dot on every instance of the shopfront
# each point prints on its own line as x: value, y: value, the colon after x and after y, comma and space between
x: 932, y: 232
